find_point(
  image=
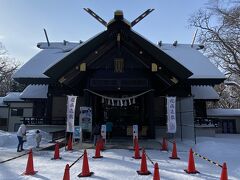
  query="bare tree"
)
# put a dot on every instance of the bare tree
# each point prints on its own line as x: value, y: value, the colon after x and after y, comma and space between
x: 219, y: 26
x: 7, y: 67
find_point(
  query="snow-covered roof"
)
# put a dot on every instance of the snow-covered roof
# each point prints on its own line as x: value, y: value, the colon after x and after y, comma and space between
x: 12, y: 97
x: 223, y: 112
x: 65, y: 45
x: 39, y: 63
x: 46, y: 58
x: 1, y: 102
x: 35, y: 92
x: 188, y: 56
x: 193, y: 60
x: 204, y: 92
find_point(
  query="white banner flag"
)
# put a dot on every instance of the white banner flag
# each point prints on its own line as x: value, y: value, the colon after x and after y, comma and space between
x: 71, y: 104
x: 171, y: 114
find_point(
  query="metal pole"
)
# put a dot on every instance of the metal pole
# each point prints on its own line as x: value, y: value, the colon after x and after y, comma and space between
x: 80, y: 128
x: 195, y: 137
x: 180, y: 107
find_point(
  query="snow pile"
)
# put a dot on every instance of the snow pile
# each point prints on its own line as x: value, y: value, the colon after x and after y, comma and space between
x: 224, y: 148
x: 31, y: 141
x: 9, y: 139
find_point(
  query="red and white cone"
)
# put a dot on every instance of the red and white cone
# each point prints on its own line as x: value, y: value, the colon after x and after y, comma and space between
x: 191, y: 164
x: 224, y: 174
x: 30, y: 167
x: 69, y: 144
x: 97, y: 151
x: 85, y: 167
x: 136, y: 151
x: 56, y: 152
x: 164, y: 145
x: 143, y: 168
x: 66, y: 175
x: 174, y: 151
x: 156, y: 175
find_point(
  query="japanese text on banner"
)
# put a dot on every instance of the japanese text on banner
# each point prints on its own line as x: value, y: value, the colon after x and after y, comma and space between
x: 171, y: 114
x: 71, y: 104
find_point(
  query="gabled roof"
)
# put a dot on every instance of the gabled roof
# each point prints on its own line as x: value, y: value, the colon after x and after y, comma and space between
x: 12, y: 97
x: 204, y: 93
x: 35, y: 92
x: 193, y: 60
x: 32, y: 71
x: 79, y: 55
x: 219, y: 112
x: 57, y: 59
x: 75, y: 56
x: 2, y: 104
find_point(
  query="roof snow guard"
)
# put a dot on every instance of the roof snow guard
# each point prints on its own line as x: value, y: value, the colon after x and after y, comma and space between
x: 35, y: 92
x: 219, y: 112
x: 204, y: 93
x: 12, y: 97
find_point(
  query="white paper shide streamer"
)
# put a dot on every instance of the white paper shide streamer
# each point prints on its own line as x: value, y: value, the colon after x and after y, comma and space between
x: 71, y: 104
x: 171, y: 115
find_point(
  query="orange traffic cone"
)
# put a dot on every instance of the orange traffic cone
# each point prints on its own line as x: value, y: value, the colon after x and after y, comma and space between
x: 134, y: 142
x: 143, y: 169
x: 164, y: 145
x: 136, y: 151
x: 85, y: 167
x: 156, y: 175
x: 56, y: 152
x: 191, y: 164
x: 66, y: 175
x: 69, y: 145
x: 224, y: 174
x: 30, y: 167
x: 174, y: 151
x: 97, y: 151
x: 102, y: 144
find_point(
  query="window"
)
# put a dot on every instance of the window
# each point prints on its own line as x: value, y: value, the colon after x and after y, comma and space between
x: 17, y: 112
x: 118, y: 65
x: 3, y: 122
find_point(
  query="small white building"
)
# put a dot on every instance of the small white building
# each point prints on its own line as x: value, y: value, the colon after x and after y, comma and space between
x: 227, y: 120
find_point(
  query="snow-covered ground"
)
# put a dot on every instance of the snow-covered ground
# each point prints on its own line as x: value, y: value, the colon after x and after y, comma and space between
x: 9, y: 141
x: 118, y: 164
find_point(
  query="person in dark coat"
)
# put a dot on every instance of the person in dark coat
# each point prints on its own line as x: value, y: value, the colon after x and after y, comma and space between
x: 96, y: 133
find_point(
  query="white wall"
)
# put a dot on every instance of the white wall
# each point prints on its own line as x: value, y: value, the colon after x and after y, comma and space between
x: 3, y: 112
x: 185, y: 116
x: 27, y: 112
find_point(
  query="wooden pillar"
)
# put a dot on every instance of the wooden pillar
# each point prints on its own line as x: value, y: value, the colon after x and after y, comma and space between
x: 150, y: 113
x: 48, y: 119
x: 86, y: 98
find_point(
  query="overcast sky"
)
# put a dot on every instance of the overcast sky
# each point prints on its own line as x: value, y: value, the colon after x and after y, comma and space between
x: 22, y: 21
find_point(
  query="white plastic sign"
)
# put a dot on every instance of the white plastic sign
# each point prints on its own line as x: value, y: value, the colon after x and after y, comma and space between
x: 103, y: 131
x: 77, y: 132
x: 135, y: 131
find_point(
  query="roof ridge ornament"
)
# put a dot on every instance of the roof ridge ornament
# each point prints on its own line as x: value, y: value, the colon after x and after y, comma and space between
x: 139, y: 18
x: 118, y: 15
x: 98, y: 18
x: 45, y: 32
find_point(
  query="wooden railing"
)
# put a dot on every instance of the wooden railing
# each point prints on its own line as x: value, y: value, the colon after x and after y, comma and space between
x: 44, y: 120
x: 206, y: 121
